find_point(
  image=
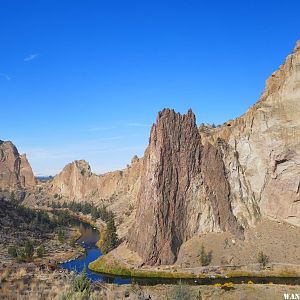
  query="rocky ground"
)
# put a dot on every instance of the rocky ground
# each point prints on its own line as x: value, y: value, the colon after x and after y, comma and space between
x: 268, y: 236
x: 38, y: 280
x: 26, y: 282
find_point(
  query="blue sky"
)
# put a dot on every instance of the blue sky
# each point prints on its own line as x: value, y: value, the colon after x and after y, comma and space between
x: 85, y: 79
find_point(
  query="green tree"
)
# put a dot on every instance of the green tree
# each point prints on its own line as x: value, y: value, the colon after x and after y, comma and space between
x: 95, y: 213
x: 13, y: 199
x: 110, y: 238
x: 112, y: 233
x: 205, y: 258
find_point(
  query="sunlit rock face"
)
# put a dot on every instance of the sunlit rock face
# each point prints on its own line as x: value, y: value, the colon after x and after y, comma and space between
x: 225, y: 178
x: 264, y: 172
x: 15, y: 171
x: 116, y: 190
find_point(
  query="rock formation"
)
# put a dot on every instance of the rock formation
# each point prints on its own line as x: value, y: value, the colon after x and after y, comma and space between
x: 177, y: 175
x: 263, y: 161
x: 223, y: 178
x: 75, y: 182
x: 15, y: 171
x: 26, y: 175
x: 116, y: 190
x: 171, y: 161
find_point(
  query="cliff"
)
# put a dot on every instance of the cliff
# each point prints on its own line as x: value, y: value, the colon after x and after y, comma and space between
x: 116, y: 190
x: 221, y: 179
x: 183, y: 190
x: 15, y: 171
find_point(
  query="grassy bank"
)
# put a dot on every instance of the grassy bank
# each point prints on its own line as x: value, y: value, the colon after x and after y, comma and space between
x: 100, y: 242
x: 264, y: 273
x: 108, y: 265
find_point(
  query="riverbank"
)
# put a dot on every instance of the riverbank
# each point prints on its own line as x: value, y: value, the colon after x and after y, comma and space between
x: 123, y: 262
x: 231, y: 257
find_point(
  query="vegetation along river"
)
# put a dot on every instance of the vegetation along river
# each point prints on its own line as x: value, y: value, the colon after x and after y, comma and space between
x: 89, y: 237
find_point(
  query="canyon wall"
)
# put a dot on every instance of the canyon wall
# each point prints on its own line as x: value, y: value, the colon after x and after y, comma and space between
x: 224, y: 178
x: 76, y: 182
x: 116, y: 190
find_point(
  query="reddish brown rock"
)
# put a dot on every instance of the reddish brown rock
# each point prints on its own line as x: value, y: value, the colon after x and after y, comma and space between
x: 171, y: 162
x: 174, y: 163
x: 217, y: 186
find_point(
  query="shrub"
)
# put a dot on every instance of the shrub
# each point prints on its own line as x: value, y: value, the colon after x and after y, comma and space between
x: 70, y: 295
x: 61, y: 235
x: 227, y: 286
x: 40, y: 251
x: 28, y: 249
x: 12, y: 251
x: 81, y: 283
x: 181, y: 292
x: 205, y: 258
x: 263, y: 259
x: 22, y: 255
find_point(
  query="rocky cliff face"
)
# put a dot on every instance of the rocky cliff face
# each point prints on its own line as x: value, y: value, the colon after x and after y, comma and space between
x: 26, y: 175
x: 75, y: 182
x: 15, y: 171
x: 179, y: 175
x: 224, y: 178
x: 263, y: 161
x: 171, y: 161
x: 116, y: 190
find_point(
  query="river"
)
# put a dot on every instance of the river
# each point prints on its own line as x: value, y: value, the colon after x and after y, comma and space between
x: 88, y: 239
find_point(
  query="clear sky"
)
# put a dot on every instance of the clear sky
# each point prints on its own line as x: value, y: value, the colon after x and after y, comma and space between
x: 84, y: 79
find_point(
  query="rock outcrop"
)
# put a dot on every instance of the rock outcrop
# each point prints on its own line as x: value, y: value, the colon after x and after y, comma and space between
x: 26, y: 175
x: 75, y: 182
x: 116, y: 190
x: 15, y: 171
x: 171, y: 161
x: 221, y: 179
x: 178, y: 174
x: 263, y: 161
